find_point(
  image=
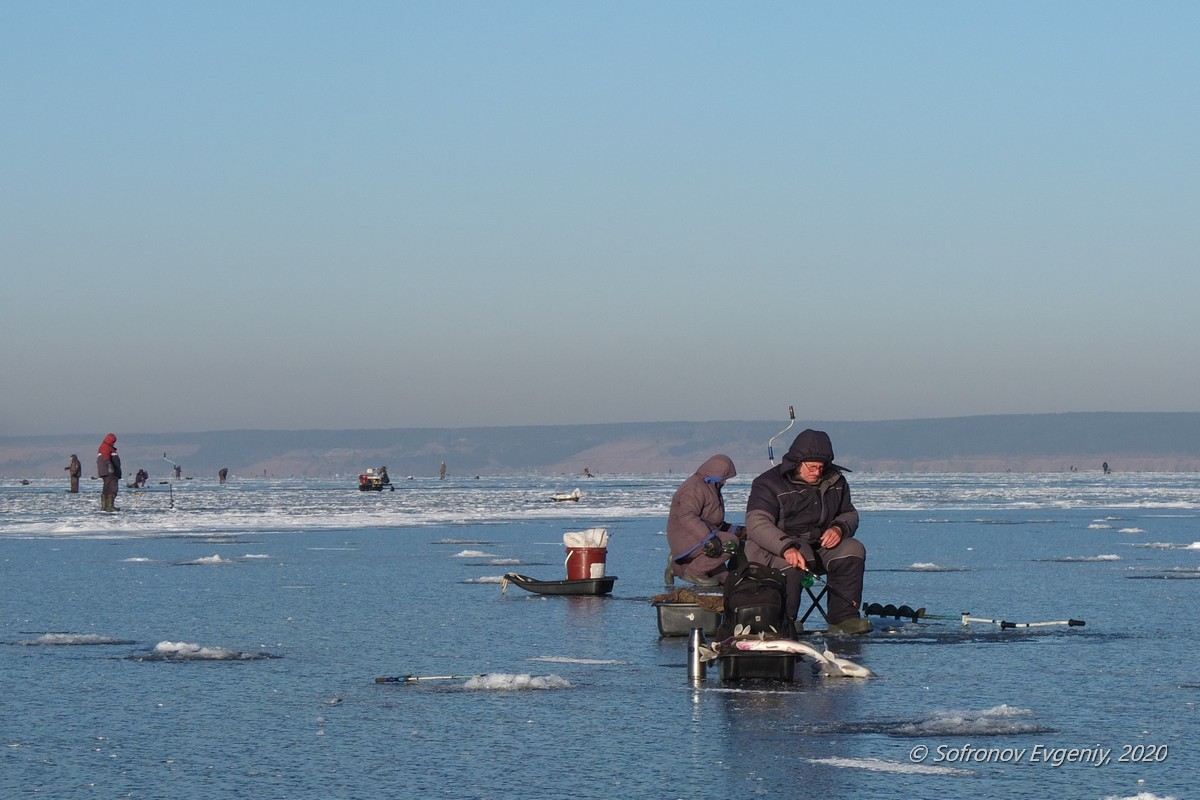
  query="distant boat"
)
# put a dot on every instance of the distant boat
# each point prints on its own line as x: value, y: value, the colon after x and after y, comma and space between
x: 568, y: 497
x: 375, y: 480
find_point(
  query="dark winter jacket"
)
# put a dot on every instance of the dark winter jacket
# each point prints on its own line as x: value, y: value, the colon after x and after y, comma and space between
x: 783, y: 511
x: 698, y: 510
x: 107, y: 460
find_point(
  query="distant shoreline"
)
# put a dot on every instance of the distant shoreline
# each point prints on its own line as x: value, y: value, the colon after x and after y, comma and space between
x: 1128, y: 441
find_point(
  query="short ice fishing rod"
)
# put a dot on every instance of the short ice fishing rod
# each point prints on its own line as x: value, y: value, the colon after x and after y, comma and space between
x: 908, y: 612
x: 771, y: 441
x: 419, y: 678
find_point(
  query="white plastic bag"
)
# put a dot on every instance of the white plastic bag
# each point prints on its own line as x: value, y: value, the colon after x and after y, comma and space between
x: 592, y: 537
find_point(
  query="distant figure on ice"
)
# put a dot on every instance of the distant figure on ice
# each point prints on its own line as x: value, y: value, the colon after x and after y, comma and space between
x: 74, y: 470
x: 697, y: 532
x: 108, y: 469
x: 139, y: 480
x: 222, y: 473
x: 178, y: 472
x: 1104, y: 467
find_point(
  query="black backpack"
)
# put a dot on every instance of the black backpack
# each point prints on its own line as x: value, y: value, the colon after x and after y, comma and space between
x: 755, y: 597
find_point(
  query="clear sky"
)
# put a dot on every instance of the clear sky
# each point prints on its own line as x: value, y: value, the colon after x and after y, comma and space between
x: 227, y: 215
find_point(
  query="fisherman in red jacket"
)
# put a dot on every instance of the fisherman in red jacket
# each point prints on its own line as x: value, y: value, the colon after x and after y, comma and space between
x: 108, y: 469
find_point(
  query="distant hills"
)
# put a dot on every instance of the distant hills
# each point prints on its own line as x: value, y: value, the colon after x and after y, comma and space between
x: 1128, y: 441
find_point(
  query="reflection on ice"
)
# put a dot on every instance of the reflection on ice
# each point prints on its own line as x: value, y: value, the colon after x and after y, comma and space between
x: 58, y: 639
x: 1081, y: 559
x: 882, y: 765
x: 509, y: 683
x: 573, y: 660
x: 188, y: 651
x: 208, y: 560
x: 998, y: 720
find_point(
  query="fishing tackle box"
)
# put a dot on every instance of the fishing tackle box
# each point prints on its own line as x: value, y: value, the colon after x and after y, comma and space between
x: 738, y: 665
x: 678, y: 619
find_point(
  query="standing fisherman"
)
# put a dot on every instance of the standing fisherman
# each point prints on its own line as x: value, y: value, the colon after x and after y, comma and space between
x: 108, y: 468
x: 74, y: 469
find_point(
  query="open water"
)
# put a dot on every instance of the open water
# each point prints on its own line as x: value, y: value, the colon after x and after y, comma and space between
x: 223, y: 641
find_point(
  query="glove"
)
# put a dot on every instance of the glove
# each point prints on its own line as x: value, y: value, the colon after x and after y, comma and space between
x: 712, y: 548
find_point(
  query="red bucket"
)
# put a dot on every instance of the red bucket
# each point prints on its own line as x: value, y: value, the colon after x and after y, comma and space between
x: 585, y: 563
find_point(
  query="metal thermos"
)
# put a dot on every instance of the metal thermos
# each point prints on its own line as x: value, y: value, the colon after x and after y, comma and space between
x: 696, y: 667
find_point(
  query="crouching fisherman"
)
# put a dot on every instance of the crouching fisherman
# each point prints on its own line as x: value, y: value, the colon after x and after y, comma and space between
x: 108, y: 469
x: 700, y: 539
x: 799, y: 517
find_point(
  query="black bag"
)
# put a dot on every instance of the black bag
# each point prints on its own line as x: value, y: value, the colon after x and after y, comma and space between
x: 755, y: 597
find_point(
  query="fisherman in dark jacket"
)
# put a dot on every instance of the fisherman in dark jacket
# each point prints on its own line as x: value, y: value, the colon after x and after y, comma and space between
x: 697, y: 532
x: 74, y: 470
x: 799, y: 516
x: 108, y: 468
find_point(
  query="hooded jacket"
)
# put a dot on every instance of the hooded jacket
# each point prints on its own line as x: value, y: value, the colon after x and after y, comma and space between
x: 107, y: 460
x: 783, y: 511
x: 108, y: 446
x: 698, y: 510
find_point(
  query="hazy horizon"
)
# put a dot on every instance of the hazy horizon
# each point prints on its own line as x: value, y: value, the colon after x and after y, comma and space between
x: 783, y: 422
x: 280, y: 216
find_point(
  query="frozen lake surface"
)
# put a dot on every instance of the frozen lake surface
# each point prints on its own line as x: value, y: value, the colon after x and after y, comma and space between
x: 223, y: 641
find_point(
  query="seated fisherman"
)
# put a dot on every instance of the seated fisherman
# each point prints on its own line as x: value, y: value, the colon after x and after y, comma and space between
x: 799, y: 516
x: 697, y: 532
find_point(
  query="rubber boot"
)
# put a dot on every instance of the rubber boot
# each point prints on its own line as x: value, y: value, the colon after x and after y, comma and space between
x: 112, y: 503
x: 105, y: 502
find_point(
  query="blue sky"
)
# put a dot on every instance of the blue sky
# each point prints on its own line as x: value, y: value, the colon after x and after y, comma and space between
x: 227, y: 215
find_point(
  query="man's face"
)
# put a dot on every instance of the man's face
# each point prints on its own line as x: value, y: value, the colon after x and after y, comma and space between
x: 810, y: 471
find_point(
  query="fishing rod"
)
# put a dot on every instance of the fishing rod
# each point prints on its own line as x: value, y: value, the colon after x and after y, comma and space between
x: 418, y: 678
x: 171, y: 486
x: 771, y: 441
x: 1072, y: 623
x: 908, y: 612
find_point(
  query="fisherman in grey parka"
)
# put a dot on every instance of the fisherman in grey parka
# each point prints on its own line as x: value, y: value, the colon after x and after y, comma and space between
x: 74, y: 470
x: 696, y: 528
x: 799, y: 516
